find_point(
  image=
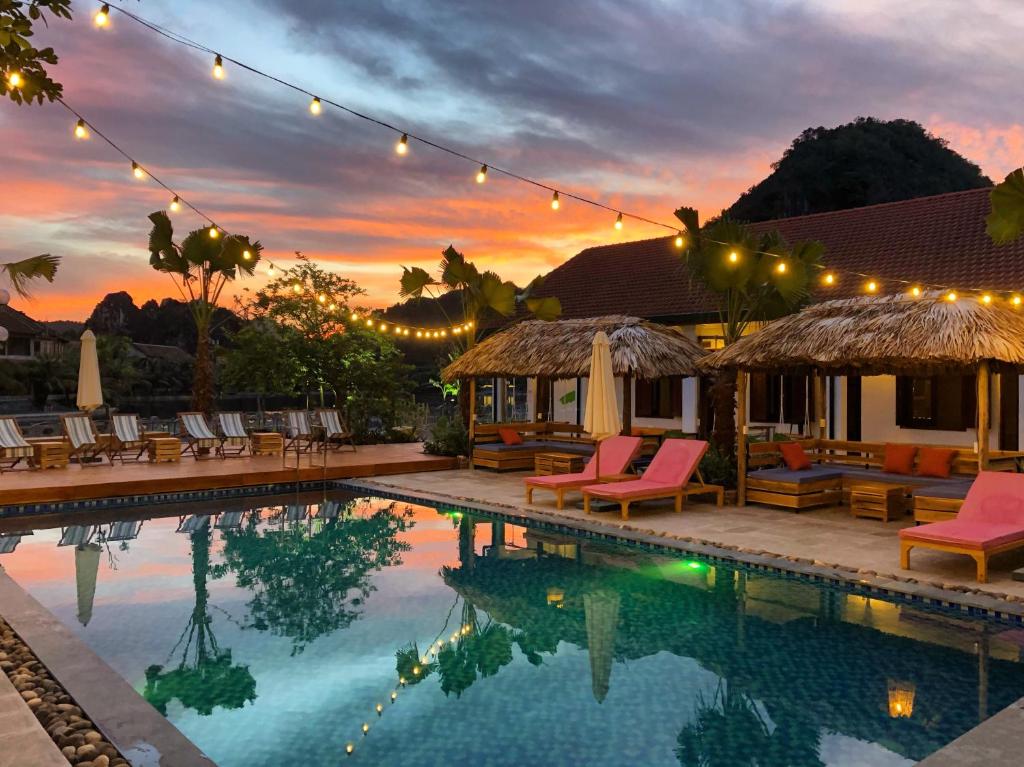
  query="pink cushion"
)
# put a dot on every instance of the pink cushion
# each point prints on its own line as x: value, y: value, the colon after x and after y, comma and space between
x: 995, y: 496
x: 616, y: 455
x: 967, y: 533
x: 675, y: 461
x: 620, y: 490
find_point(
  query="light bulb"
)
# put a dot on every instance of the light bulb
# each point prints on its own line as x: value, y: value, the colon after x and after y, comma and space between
x: 555, y: 204
x: 332, y: 307
x: 444, y: 333
x: 481, y: 175
x: 405, y: 332
x: 366, y: 728
x: 402, y: 147
x: 218, y: 67
x: 829, y: 278
x: 872, y: 286
x: 394, y: 696
x: 679, y: 241
x: 354, y: 317
x: 419, y: 334
x: 986, y: 299
x: 369, y: 323
x: 349, y: 748
x: 137, y: 170
x: 951, y: 296
x: 734, y: 257
x: 401, y: 681
x: 80, y: 130
x: 915, y: 292
x: 297, y: 287
x: 781, y: 267
x: 14, y: 79
x: 322, y: 298
x: 314, y: 106
x: 1016, y: 300
x: 246, y: 255
x: 469, y: 324
x: 618, y: 222
x: 270, y: 270
x: 214, y: 233
x: 379, y: 708
x: 175, y: 205
x: 102, y: 16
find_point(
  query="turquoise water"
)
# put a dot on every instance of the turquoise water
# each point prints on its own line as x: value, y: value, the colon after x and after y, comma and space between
x: 269, y: 635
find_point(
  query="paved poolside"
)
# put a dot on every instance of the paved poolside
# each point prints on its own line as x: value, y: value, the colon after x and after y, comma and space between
x: 828, y: 536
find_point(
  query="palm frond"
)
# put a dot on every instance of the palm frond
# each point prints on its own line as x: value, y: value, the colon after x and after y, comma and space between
x: 21, y: 273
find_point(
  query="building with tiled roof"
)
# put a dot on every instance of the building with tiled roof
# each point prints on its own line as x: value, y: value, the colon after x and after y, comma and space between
x: 26, y: 338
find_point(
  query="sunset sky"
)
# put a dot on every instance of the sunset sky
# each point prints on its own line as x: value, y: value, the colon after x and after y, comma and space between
x: 642, y: 105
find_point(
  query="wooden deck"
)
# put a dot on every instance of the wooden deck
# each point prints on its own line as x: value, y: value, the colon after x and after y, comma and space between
x: 77, y: 483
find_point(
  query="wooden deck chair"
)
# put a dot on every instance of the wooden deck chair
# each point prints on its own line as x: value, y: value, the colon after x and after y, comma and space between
x: 125, y: 437
x: 335, y: 431
x: 125, y: 530
x: 296, y: 512
x: 298, y: 431
x: 13, y: 447
x: 76, y: 535
x: 193, y: 523
x: 230, y: 520
x: 8, y: 543
x: 234, y: 437
x: 197, y: 434
x: 80, y: 432
x: 329, y: 510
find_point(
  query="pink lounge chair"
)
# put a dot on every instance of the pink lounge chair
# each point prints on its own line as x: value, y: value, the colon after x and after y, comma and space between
x: 990, y: 521
x: 616, y: 455
x: 666, y: 477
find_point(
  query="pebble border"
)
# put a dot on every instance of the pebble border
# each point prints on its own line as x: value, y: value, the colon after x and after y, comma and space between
x: 64, y: 721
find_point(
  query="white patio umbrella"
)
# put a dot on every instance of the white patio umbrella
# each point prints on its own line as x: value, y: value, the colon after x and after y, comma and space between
x: 90, y: 391
x: 601, y: 418
x: 87, y: 565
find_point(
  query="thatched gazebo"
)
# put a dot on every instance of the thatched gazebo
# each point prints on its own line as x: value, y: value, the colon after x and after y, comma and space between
x: 883, y: 335
x: 561, y: 349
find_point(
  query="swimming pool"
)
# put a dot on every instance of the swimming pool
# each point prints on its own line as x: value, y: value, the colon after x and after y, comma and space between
x: 272, y: 631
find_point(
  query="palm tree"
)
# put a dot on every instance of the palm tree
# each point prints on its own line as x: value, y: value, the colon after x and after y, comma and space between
x: 204, y: 262
x: 20, y: 274
x: 755, y: 278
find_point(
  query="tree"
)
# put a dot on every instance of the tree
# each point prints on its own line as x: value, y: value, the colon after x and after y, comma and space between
x: 262, y: 360
x: 755, y: 279
x: 201, y: 266
x: 865, y: 162
x: 26, y: 78
x: 482, y: 294
x: 1005, y: 222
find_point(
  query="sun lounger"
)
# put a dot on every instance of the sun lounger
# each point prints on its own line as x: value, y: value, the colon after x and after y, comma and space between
x: 990, y: 521
x: 193, y: 523
x: 198, y: 435
x: 234, y: 436
x: 76, y: 535
x: 329, y: 510
x: 13, y: 447
x: 8, y: 543
x: 334, y: 430
x: 230, y: 520
x: 123, y: 531
x: 666, y: 477
x: 298, y: 431
x: 84, y: 442
x: 296, y: 512
x: 616, y: 455
x: 127, y: 437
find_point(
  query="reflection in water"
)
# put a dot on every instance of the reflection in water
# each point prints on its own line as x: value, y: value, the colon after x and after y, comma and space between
x: 205, y: 676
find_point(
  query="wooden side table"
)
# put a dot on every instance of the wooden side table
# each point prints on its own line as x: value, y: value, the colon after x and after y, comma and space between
x: 164, y: 449
x: 878, y: 500
x: 267, y: 443
x: 50, y: 455
x: 545, y: 464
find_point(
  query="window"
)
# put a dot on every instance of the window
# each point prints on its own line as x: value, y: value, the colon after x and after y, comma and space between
x: 945, y: 402
x: 769, y: 392
x: 659, y: 398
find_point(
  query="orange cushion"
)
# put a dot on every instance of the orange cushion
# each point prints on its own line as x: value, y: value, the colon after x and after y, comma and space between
x: 935, y: 461
x: 794, y: 456
x: 510, y: 436
x: 899, y: 459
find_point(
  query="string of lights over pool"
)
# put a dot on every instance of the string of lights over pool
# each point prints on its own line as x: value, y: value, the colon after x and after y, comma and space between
x: 829, y: 276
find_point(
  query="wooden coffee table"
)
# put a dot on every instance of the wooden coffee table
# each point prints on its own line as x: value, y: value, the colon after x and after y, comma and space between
x: 164, y: 449
x: 267, y: 443
x: 878, y: 500
x: 558, y: 463
x: 50, y: 455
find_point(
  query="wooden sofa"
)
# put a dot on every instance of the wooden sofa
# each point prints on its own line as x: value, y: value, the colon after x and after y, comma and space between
x: 490, y: 452
x: 838, y: 465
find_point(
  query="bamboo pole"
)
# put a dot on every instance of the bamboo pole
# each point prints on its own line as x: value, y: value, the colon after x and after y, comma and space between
x: 741, y: 438
x: 471, y: 426
x: 984, y: 414
x: 819, y: 405
x: 627, y: 404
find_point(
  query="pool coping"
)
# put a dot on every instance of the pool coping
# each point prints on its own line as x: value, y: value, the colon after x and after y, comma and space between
x: 144, y: 736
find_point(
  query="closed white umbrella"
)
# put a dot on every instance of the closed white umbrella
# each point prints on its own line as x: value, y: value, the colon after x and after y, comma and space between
x: 601, y: 418
x: 90, y: 391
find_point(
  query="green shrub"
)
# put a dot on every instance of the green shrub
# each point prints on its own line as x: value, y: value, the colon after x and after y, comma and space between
x: 718, y: 467
x: 448, y: 437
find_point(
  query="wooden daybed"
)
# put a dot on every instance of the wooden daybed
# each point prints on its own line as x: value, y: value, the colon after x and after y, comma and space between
x: 490, y: 452
x: 838, y: 465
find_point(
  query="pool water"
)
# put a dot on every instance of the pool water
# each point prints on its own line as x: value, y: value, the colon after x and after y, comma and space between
x: 270, y: 632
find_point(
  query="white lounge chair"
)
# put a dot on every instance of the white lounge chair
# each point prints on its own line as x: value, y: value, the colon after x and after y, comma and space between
x: 198, y: 435
x: 127, y: 437
x: 123, y: 531
x: 76, y: 535
x: 230, y: 520
x: 329, y: 510
x: 80, y: 432
x: 233, y: 434
x: 298, y: 431
x: 193, y: 523
x: 334, y: 430
x: 296, y: 512
x: 13, y: 447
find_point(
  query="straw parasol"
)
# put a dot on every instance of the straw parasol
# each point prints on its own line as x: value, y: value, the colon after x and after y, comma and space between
x: 90, y: 392
x: 601, y: 419
x: 562, y: 349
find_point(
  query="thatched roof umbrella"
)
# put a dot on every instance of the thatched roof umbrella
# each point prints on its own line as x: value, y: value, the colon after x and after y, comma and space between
x: 562, y: 348
x: 886, y: 335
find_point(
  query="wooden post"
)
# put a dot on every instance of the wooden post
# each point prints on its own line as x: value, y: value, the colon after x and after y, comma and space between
x: 984, y: 414
x: 819, y: 405
x: 471, y: 426
x: 538, y: 399
x: 741, y: 437
x: 627, y: 405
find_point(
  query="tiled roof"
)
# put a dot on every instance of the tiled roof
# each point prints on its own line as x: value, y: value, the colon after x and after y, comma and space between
x: 19, y: 323
x: 937, y: 240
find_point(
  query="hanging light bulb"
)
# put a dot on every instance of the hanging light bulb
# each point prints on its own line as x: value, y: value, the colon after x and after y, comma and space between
x: 555, y: 204
x: 175, y: 206
x: 951, y: 296
x: 102, y: 16
x: 354, y: 317
x: 402, y: 147
x: 81, y: 132
x: 14, y: 79
x: 394, y: 696
x: 137, y: 171
x: 679, y: 241
x: 444, y: 334
x: 297, y: 288
x: 781, y: 267
x: 618, y: 222
x: 270, y: 270
x: 419, y: 334
x: 405, y: 332
x: 986, y: 299
x: 246, y: 255
x: 915, y: 291
x: 871, y: 287
x: 366, y: 728
x: 332, y: 307
x: 369, y: 323
x: 322, y: 298
x: 349, y: 748
x: 1016, y: 301
x: 214, y: 233
x: 383, y: 327
x: 379, y: 708
x: 218, y: 67
x: 314, y: 106
x: 828, y: 278
x: 481, y: 175
x: 734, y: 257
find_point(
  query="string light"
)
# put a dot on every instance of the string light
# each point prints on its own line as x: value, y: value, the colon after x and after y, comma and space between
x: 680, y: 241
x: 297, y: 287
x: 481, y: 175
x: 322, y: 298
x: 871, y: 287
x: 555, y: 204
x: 394, y: 696
x: 1016, y: 301
x: 137, y: 171
x: 14, y: 79
x: 951, y: 296
x: 102, y: 16
x: 270, y: 270
x: 175, y: 205
x: 218, y: 67
x: 214, y: 233
x: 81, y: 132
x: 915, y: 292
x: 986, y: 298
x: 246, y: 255
x: 828, y: 278
x: 402, y: 147
x: 618, y: 222
x: 781, y: 267
x: 734, y: 257
x: 379, y: 708
x: 314, y: 106
x: 349, y: 748
x: 366, y: 727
